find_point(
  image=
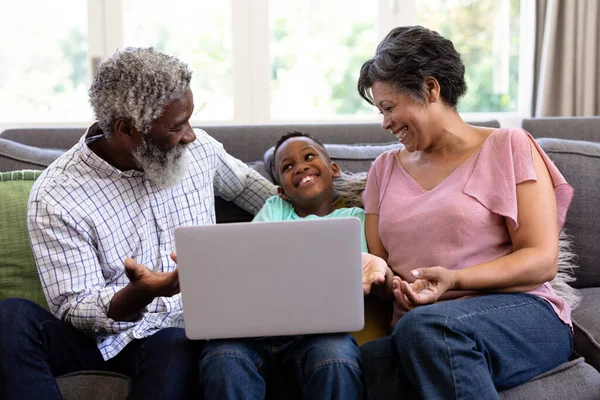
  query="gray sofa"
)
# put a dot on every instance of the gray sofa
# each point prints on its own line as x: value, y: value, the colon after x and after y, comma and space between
x: 354, y: 147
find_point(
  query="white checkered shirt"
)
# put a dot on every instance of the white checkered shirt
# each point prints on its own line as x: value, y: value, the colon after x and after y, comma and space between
x: 85, y: 217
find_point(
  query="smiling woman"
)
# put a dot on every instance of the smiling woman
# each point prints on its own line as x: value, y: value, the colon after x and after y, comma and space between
x: 476, y: 240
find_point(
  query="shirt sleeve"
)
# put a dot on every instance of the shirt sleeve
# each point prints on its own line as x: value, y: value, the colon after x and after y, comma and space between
x: 235, y: 181
x: 360, y: 214
x: 268, y: 212
x: 370, y: 196
x: 69, y: 270
x: 506, y: 162
x: 377, y: 179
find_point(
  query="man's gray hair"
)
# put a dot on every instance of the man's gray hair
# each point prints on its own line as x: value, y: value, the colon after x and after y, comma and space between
x: 137, y: 84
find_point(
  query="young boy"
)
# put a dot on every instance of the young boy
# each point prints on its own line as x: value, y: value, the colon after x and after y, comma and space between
x: 325, y: 366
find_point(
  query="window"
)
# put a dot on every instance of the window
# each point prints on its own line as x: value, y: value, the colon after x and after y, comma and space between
x: 199, y: 36
x: 316, y: 49
x: 254, y: 61
x: 486, y: 34
x: 44, y: 62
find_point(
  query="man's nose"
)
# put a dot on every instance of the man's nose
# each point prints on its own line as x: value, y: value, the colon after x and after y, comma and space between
x: 189, y: 135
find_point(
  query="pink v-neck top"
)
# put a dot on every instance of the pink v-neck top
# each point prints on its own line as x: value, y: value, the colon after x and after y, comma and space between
x: 462, y: 221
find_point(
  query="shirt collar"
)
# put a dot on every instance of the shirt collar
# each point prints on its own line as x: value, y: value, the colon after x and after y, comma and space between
x: 97, y: 163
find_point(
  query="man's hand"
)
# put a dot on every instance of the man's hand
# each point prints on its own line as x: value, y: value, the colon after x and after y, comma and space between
x: 129, y: 303
x: 374, y: 269
x: 429, y: 286
x: 151, y: 283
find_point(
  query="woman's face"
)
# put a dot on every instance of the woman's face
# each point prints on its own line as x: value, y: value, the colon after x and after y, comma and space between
x: 402, y: 116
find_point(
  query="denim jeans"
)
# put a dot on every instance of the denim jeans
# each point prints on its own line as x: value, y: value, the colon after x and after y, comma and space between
x: 36, y: 347
x: 325, y: 366
x: 467, y: 349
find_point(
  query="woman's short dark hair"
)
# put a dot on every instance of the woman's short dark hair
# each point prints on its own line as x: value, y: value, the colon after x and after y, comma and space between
x: 406, y: 57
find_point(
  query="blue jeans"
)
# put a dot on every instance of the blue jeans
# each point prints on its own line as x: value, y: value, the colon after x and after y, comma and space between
x: 36, y: 347
x: 468, y: 349
x: 324, y: 366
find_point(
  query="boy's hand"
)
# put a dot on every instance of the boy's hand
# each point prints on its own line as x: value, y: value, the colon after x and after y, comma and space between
x: 374, y: 269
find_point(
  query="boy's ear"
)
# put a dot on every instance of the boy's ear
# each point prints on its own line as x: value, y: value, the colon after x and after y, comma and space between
x: 335, y: 170
x: 281, y: 193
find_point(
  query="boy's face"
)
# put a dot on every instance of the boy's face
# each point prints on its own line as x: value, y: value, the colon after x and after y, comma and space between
x: 305, y: 170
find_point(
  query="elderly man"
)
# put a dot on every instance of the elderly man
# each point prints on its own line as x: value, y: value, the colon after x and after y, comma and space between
x: 101, y: 221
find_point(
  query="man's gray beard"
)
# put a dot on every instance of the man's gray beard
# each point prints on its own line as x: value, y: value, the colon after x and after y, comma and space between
x: 163, y: 167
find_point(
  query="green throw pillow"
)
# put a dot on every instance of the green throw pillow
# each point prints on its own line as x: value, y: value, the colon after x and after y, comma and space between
x: 18, y: 273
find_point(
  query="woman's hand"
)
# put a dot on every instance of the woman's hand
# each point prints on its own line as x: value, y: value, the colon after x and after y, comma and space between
x: 374, y: 269
x: 402, y: 304
x: 429, y: 286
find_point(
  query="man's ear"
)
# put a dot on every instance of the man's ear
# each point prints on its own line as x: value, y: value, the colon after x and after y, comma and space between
x: 124, y: 129
x: 432, y: 89
x: 335, y: 170
x: 281, y: 193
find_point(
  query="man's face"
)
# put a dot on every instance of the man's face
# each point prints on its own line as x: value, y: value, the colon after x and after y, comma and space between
x: 162, y: 151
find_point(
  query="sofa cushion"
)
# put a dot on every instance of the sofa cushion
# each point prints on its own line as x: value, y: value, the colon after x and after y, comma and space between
x: 18, y: 273
x: 579, y: 162
x: 94, y: 385
x: 16, y: 156
x: 349, y: 157
x: 572, y: 380
x: 586, y: 324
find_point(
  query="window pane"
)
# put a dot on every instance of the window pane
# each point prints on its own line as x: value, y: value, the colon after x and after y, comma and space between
x: 316, y: 50
x: 486, y: 34
x: 44, y: 70
x: 196, y: 32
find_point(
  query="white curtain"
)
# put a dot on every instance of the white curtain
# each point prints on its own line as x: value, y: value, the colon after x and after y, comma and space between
x: 567, y: 59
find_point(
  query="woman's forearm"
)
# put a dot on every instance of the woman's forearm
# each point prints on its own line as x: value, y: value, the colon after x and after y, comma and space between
x: 520, y: 271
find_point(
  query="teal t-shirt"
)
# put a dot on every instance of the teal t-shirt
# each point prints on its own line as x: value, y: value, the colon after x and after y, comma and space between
x: 277, y: 209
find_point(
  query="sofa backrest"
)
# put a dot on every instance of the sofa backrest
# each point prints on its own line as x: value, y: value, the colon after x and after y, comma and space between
x: 573, y: 128
x: 579, y: 162
x: 573, y: 144
x: 46, y: 138
x: 233, y: 137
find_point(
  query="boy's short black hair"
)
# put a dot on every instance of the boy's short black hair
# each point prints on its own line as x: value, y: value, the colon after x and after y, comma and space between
x: 294, y: 134
x: 290, y: 135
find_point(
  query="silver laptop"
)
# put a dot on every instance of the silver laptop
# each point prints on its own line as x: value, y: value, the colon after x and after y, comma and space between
x: 271, y: 278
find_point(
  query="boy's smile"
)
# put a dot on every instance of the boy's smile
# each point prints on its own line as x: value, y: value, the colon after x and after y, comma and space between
x: 306, y: 180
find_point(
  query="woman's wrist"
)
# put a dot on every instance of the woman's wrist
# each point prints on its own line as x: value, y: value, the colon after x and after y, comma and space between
x: 456, y: 280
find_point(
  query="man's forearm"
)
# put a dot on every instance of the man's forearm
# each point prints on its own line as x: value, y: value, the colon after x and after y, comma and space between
x: 128, y: 304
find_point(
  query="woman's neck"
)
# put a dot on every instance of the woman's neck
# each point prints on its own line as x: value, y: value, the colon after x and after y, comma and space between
x: 455, y: 137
